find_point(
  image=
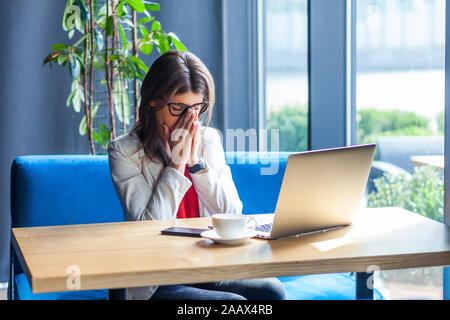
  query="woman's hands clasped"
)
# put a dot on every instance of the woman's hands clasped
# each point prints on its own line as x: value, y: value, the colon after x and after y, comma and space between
x: 183, y: 141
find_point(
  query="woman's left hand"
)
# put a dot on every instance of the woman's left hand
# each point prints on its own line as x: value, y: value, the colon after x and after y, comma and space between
x: 193, y: 159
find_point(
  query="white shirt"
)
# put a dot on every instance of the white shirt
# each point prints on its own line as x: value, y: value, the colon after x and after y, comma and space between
x: 150, y: 191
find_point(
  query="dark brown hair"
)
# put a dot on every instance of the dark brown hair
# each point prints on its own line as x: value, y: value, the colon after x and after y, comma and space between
x: 174, y: 72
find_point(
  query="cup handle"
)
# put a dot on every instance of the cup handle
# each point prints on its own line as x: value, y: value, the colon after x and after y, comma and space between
x: 250, y: 220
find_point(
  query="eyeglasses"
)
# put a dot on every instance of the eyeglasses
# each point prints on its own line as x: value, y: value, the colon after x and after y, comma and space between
x: 178, y: 109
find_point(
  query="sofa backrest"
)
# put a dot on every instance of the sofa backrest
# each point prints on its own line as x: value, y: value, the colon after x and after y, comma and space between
x: 399, y: 149
x: 258, y: 178
x: 62, y: 189
x: 77, y: 189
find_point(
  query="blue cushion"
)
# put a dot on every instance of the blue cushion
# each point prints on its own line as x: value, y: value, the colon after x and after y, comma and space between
x: 258, y: 178
x: 62, y: 189
x: 23, y: 292
x: 336, y: 286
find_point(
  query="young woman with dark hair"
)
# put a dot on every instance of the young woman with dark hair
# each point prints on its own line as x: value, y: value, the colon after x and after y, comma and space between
x: 170, y: 166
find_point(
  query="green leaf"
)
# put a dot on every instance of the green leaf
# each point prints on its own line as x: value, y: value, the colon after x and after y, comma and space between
x: 121, y: 10
x: 143, y: 30
x: 70, y: 98
x: 72, y: 18
x: 109, y: 26
x: 77, y: 95
x: 139, y: 63
x: 75, y: 84
x: 69, y: 3
x: 156, y: 25
x: 145, y: 20
x: 104, y: 133
x: 122, y: 35
x: 76, y: 101
x: 152, y: 6
x: 163, y: 44
x: 74, y: 66
x: 84, y: 12
x: 96, y: 137
x: 146, y: 48
x: 136, y: 5
x: 59, y: 46
x: 176, y: 42
x: 82, y: 128
x: 62, y: 58
x: 121, y: 102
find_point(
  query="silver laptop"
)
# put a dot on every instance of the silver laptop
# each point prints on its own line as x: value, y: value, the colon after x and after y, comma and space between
x: 321, y: 190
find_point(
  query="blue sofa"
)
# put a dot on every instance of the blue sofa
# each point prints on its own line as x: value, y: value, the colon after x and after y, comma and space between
x: 77, y: 189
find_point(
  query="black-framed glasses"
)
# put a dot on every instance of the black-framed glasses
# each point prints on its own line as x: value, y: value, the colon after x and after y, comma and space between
x: 178, y: 109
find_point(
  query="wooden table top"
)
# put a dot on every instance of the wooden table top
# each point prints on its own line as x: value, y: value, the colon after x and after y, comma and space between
x: 129, y: 254
x: 434, y: 161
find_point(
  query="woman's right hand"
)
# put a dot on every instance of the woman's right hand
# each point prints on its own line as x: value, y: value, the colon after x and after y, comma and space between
x: 180, y: 140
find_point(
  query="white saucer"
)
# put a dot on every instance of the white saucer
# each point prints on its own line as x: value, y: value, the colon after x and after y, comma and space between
x: 212, y: 235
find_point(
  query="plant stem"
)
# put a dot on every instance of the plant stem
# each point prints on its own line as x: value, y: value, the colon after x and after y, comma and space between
x: 109, y: 81
x: 91, y: 91
x: 122, y: 82
x: 87, y: 107
x: 135, y: 53
x: 119, y: 73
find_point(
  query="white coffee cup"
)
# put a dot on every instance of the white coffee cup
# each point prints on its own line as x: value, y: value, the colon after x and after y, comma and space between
x: 230, y: 225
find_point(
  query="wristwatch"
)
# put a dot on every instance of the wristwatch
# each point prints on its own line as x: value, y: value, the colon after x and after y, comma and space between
x: 197, y: 167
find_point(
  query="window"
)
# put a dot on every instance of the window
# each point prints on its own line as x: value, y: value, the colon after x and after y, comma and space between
x: 400, y: 101
x: 284, y: 71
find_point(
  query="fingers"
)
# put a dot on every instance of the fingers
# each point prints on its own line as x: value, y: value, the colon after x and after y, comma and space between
x: 193, y: 159
x: 167, y: 131
x: 185, y: 138
x: 184, y: 121
x: 182, y: 137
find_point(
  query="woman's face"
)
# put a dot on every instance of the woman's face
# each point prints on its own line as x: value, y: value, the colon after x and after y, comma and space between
x: 164, y: 116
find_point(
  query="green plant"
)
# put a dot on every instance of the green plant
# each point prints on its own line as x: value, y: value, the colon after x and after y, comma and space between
x: 372, y: 124
x: 422, y: 192
x: 440, y: 119
x: 292, y: 121
x: 110, y: 39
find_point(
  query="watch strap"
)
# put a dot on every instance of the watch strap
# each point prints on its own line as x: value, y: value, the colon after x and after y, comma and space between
x: 197, y: 167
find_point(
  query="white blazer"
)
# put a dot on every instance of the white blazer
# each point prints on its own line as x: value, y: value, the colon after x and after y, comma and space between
x: 150, y: 191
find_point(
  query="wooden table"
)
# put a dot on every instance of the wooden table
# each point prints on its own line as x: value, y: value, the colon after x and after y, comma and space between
x: 120, y: 255
x: 434, y: 161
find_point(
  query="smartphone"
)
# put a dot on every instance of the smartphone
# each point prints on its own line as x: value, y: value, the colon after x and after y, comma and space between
x: 184, y: 232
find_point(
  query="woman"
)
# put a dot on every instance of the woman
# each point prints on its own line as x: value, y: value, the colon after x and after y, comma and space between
x: 169, y: 166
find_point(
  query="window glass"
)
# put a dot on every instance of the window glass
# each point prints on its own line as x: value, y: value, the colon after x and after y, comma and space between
x: 285, y: 80
x: 400, y: 106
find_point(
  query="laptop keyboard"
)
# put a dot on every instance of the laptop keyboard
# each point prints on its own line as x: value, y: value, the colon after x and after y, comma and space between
x: 264, y: 227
